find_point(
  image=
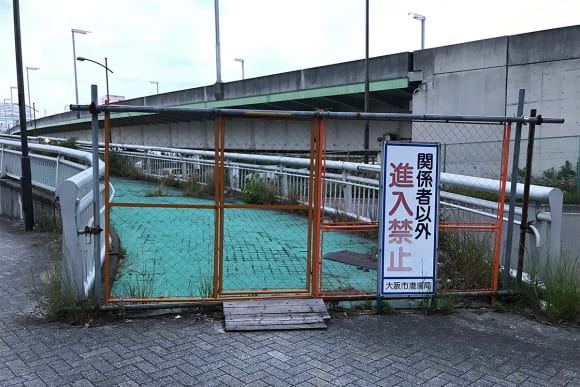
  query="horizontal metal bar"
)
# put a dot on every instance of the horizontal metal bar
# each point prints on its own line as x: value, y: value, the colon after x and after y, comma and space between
x: 212, y: 113
x: 162, y: 205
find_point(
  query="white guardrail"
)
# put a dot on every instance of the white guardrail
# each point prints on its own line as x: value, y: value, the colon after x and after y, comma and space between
x: 351, y: 189
x: 348, y: 192
x: 68, y: 173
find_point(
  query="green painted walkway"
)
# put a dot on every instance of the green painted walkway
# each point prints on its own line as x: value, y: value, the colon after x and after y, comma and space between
x: 169, y: 252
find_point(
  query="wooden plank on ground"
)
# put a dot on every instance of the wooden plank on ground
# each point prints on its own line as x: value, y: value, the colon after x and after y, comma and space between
x: 277, y: 327
x: 275, y: 314
x: 274, y: 310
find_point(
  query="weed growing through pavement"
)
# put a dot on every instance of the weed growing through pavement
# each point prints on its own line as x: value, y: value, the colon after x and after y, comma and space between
x: 446, y: 303
x: 554, y: 290
x: 195, y: 187
x: 141, y: 282
x: 55, y: 299
x: 205, y: 286
x: 160, y: 190
x: 465, y: 260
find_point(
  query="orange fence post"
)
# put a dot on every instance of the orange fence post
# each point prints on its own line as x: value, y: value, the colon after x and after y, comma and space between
x: 500, y: 206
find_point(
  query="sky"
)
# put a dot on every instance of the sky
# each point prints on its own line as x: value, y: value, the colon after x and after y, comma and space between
x: 172, y: 42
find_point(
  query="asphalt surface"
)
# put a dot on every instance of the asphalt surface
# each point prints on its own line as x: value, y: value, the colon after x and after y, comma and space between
x: 471, y: 347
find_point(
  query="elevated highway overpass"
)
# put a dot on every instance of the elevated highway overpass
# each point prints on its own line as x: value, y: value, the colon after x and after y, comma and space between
x: 474, y: 78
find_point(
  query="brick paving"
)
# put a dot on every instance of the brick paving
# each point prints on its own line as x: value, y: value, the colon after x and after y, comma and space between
x: 470, y: 348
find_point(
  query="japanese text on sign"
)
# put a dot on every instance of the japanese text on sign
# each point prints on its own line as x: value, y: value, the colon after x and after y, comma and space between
x: 409, y: 218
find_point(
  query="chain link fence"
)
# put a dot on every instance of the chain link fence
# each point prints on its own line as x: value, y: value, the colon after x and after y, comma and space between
x: 556, y: 162
x: 268, y: 205
x: 472, y: 186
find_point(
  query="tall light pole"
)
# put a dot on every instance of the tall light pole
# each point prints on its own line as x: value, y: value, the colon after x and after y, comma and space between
x: 366, y: 100
x: 105, y: 66
x: 421, y: 18
x: 218, y: 88
x: 28, y: 86
x: 156, y: 83
x: 242, y: 62
x: 83, y: 32
x: 107, y: 71
x: 26, y: 180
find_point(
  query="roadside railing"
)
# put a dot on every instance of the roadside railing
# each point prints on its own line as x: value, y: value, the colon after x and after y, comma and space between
x: 68, y: 173
x: 351, y: 189
x: 49, y: 165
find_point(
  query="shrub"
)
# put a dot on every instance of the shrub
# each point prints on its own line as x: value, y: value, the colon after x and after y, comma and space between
x: 257, y: 191
x: 118, y: 167
x: 70, y: 142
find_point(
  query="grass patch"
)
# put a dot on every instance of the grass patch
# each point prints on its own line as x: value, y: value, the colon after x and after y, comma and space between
x: 554, y: 291
x: 205, y: 286
x: 55, y: 300
x: 119, y: 166
x: 465, y: 260
x: 160, y: 190
x: 141, y: 284
x: 446, y: 303
x: 196, y: 188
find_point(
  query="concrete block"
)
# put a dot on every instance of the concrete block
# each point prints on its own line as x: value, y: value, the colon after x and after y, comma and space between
x: 548, y: 45
x: 480, y: 54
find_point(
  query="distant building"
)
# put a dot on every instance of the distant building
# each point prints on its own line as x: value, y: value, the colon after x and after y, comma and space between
x: 112, y: 98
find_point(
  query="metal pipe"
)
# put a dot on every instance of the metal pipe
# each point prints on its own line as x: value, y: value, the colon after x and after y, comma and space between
x: 524, y: 219
x: 241, y: 60
x: 218, y: 62
x: 248, y: 113
x: 513, y: 188
x: 26, y: 181
x: 98, y: 290
x: 423, y: 34
x: 73, y: 31
x: 156, y: 83
x: 366, y: 106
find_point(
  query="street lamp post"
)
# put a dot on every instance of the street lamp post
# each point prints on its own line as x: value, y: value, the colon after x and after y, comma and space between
x: 28, y: 86
x: 26, y: 180
x: 107, y: 71
x: 242, y: 62
x: 421, y: 18
x: 83, y: 32
x: 156, y: 83
x: 219, y: 86
x: 366, y: 142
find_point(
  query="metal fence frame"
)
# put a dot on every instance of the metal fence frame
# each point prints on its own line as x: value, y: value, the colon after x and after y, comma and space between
x: 318, y: 119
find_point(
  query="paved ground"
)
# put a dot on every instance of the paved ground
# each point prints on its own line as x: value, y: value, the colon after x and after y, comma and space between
x: 171, y: 249
x: 468, y: 348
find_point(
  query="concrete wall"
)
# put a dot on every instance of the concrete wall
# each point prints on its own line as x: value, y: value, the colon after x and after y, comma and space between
x: 45, y: 207
x: 380, y: 68
x: 262, y: 135
x: 467, y: 79
x: 484, y: 78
